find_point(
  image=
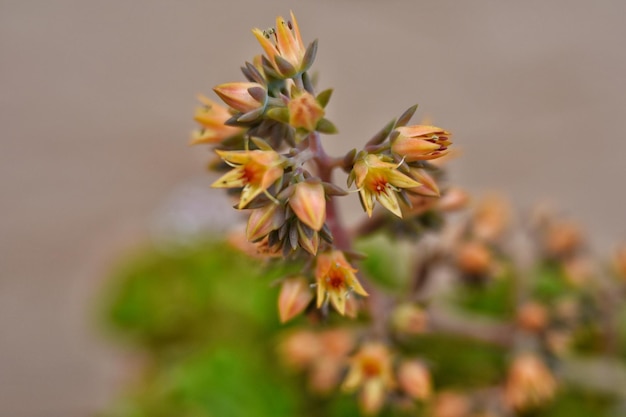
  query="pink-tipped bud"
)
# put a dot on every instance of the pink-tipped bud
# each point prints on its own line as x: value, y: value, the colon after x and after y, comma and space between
x: 304, y: 111
x: 263, y: 220
x: 414, y: 379
x: 309, y: 204
x: 295, y: 295
x: 236, y: 95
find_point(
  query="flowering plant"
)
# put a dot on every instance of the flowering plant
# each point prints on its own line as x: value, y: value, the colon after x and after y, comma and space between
x: 480, y: 322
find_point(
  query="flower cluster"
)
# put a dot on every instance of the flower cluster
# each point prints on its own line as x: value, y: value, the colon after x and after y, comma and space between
x: 271, y: 159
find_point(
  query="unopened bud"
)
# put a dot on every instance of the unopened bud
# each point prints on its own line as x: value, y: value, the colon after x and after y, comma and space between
x: 309, y: 239
x: 491, y: 218
x: 530, y: 383
x: 532, y: 316
x: 309, y: 204
x: 304, y: 111
x: 474, y: 258
x: 453, y: 199
x: 409, y: 319
x: 236, y: 95
x: 295, y: 295
x: 414, y: 379
x: 451, y: 404
x: 428, y: 185
x: 263, y: 220
x: 299, y: 349
x: 563, y: 238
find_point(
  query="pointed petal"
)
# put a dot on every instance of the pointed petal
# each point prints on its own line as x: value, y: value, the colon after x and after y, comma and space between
x: 338, y: 300
x: 400, y: 180
x: 296, y: 30
x: 389, y: 200
x: 232, y: 179
x: 266, y: 44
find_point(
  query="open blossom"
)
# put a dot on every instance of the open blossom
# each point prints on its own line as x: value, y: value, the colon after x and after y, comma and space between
x: 237, y: 96
x: 283, y: 43
x: 420, y: 142
x: 212, y: 117
x: 379, y: 180
x: 255, y: 171
x: 335, y: 280
x: 371, y: 371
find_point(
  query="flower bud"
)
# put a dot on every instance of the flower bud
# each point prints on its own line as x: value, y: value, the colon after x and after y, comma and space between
x: 451, y: 404
x: 453, y: 199
x: 563, y: 238
x: 473, y: 258
x: 491, y: 218
x: 532, y: 316
x: 309, y: 204
x: 414, y: 379
x: 304, y: 111
x: 409, y: 319
x: 263, y: 220
x: 530, y: 383
x: 295, y: 295
x: 236, y: 95
x: 299, y: 349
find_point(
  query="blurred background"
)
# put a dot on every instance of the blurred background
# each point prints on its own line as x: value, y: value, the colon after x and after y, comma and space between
x: 96, y: 107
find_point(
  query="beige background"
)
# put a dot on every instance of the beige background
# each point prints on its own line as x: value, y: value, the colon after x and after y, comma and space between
x: 96, y: 99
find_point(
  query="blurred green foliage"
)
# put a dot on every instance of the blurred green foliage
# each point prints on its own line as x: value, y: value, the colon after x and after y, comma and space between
x: 203, y: 324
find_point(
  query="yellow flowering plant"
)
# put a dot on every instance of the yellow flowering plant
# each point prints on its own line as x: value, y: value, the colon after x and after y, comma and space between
x: 353, y: 336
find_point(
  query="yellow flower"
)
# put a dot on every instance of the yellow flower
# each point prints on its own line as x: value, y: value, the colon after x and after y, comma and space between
x: 335, y: 280
x: 380, y: 180
x: 283, y: 43
x: 371, y: 370
x: 212, y: 117
x: 255, y: 171
x: 237, y: 96
x: 420, y: 142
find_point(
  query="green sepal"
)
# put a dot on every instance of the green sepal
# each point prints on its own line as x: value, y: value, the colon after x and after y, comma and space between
x: 324, y: 97
x: 280, y: 114
x: 326, y: 126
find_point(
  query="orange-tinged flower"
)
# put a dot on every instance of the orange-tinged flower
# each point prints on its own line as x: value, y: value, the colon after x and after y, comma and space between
x: 295, y: 295
x: 236, y: 95
x: 212, y: 117
x: 370, y: 369
x: 420, y: 142
x: 379, y: 180
x: 255, y: 171
x: 530, y: 383
x: 304, y: 111
x: 285, y: 42
x: 335, y: 280
x: 414, y: 379
x: 308, y: 202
